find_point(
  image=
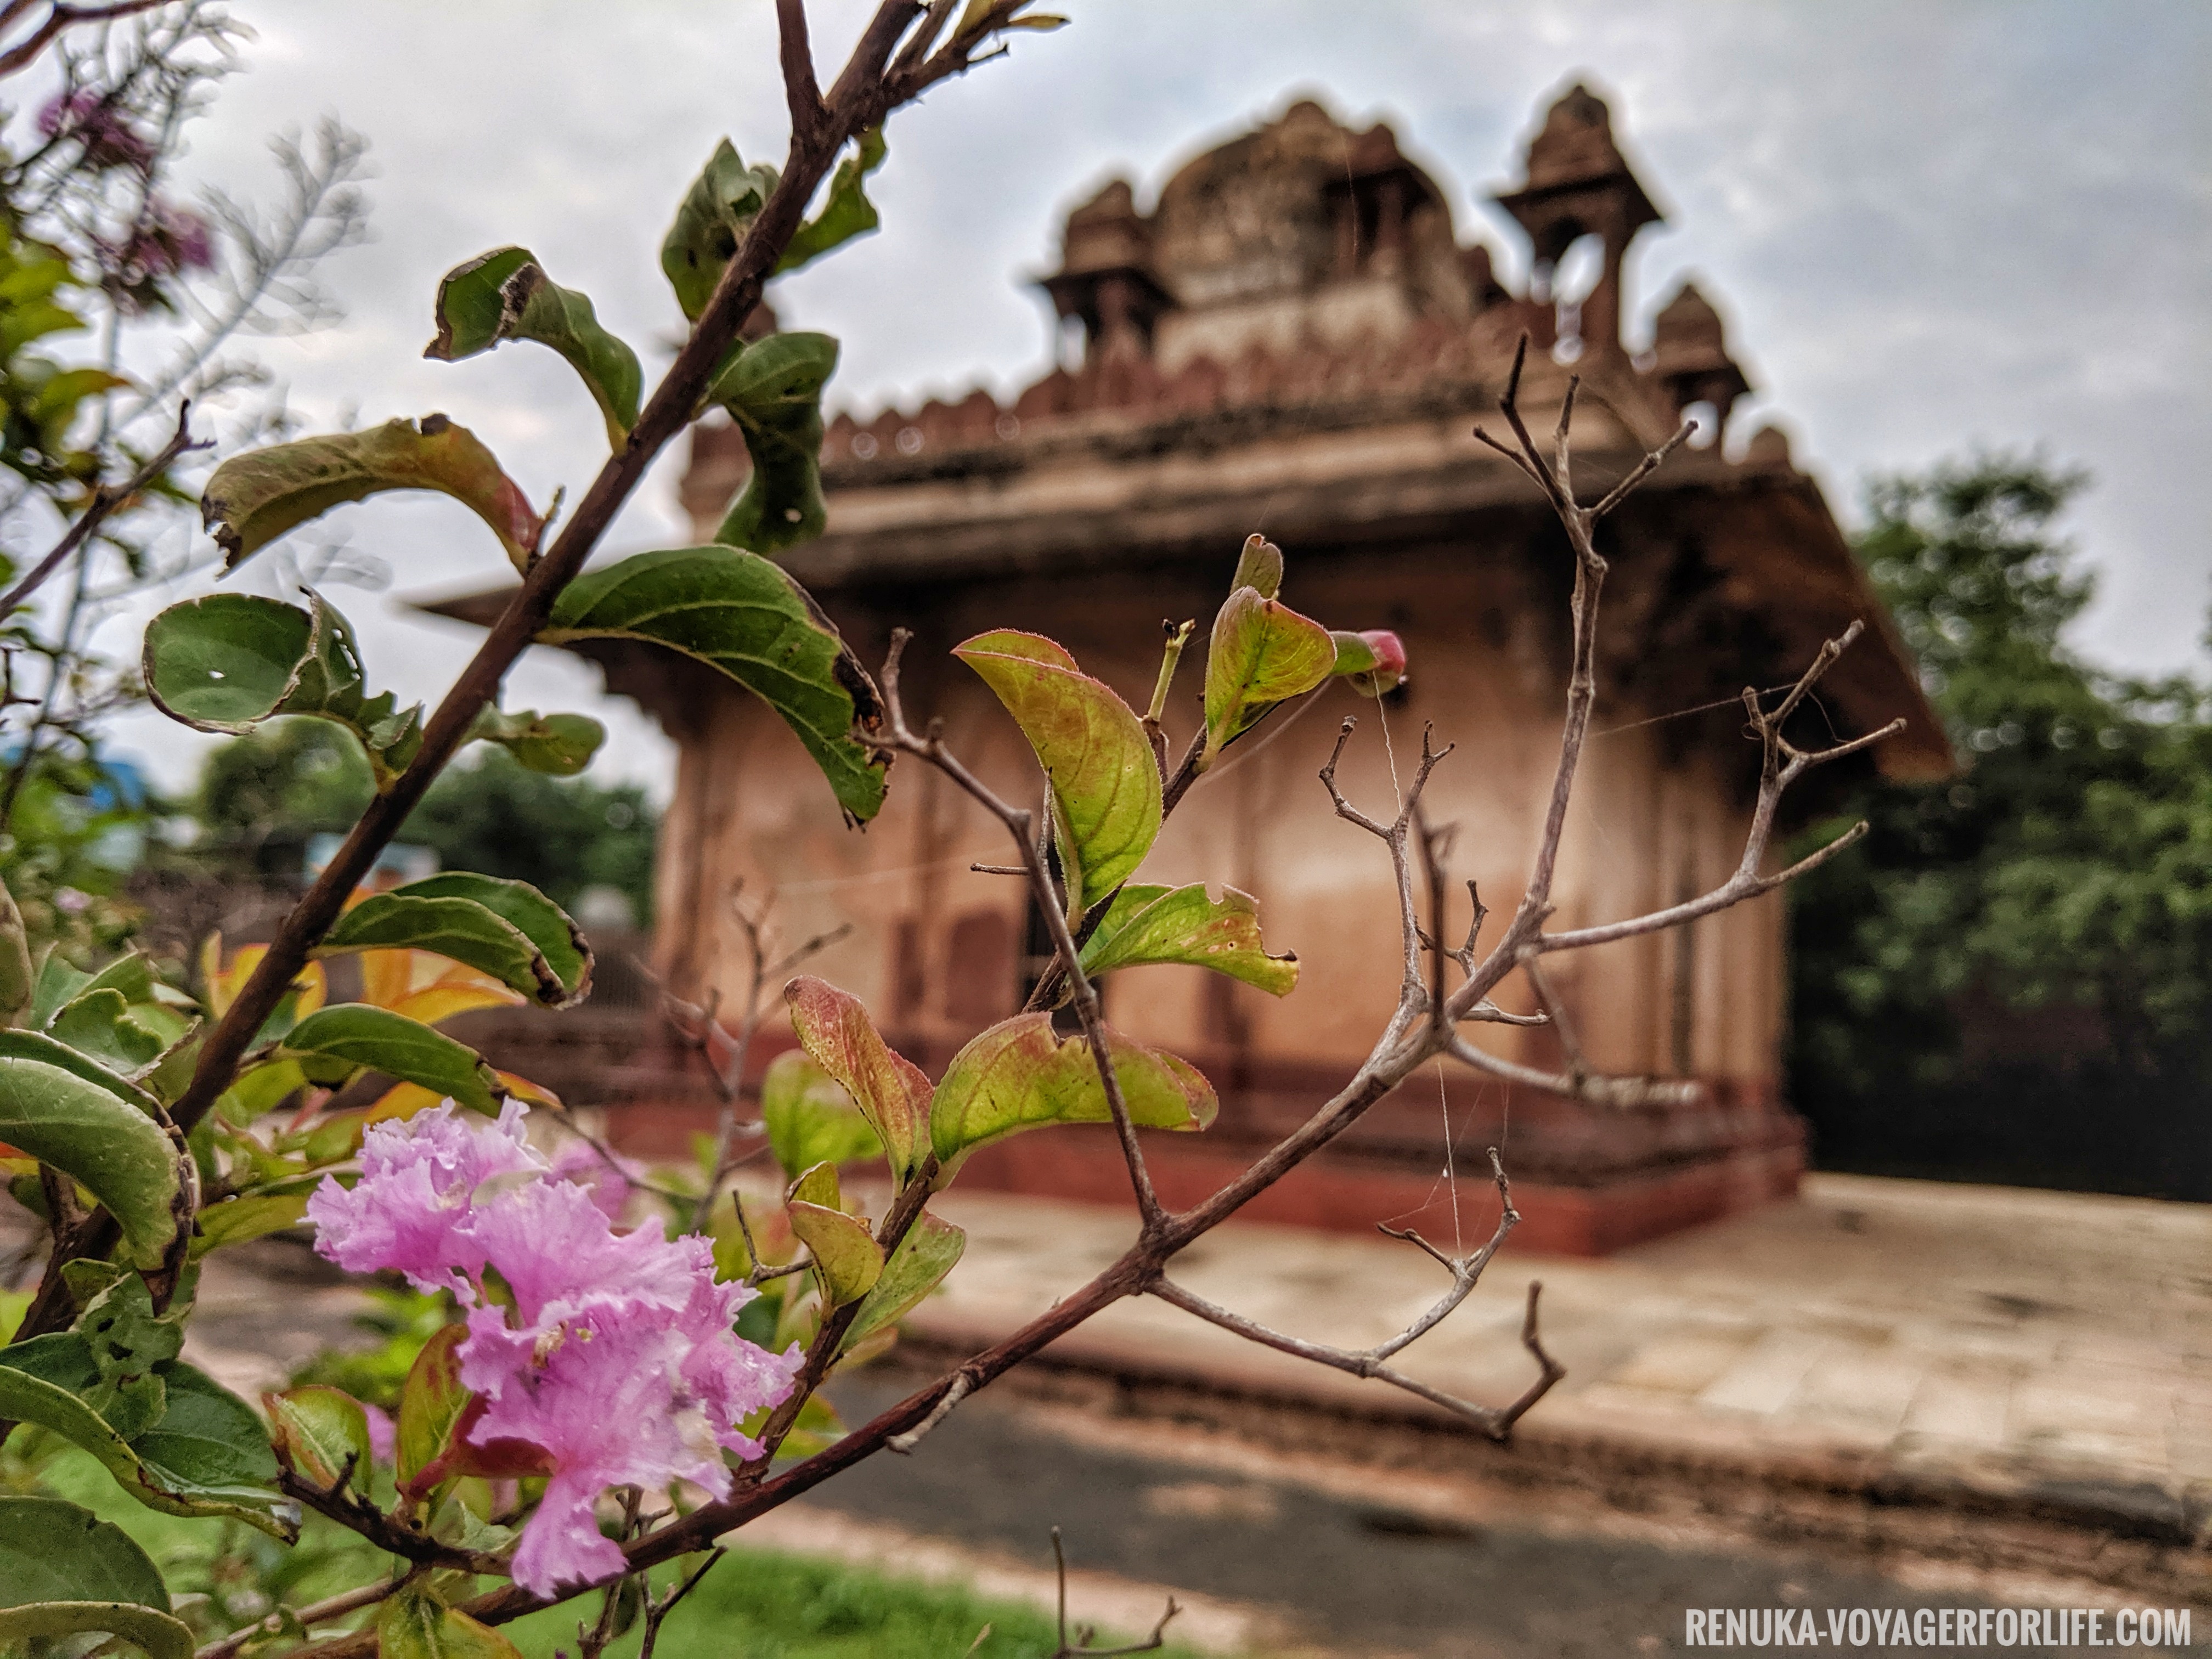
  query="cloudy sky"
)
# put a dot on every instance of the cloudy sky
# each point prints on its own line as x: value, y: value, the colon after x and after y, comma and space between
x: 1932, y: 226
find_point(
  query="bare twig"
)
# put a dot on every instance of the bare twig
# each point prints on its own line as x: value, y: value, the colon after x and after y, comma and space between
x: 1081, y: 1648
x: 657, y: 1611
x: 316, y: 1612
x: 954, y: 1393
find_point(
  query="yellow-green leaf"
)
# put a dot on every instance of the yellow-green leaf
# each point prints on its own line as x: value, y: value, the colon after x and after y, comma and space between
x: 929, y: 1251
x: 1022, y: 1075
x: 1262, y: 653
x: 845, y: 1257
x: 1184, y: 925
x: 321, y: 1434
x: 414, y: 1624
x: 1105, y: 783
x: 810, y: 1118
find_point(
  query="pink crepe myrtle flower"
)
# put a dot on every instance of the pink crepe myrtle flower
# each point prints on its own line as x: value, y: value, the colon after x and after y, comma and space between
x: 608, y: 1181
x: 611, y: 1352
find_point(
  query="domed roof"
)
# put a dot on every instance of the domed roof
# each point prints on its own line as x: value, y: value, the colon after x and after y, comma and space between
x: 1256, y: 215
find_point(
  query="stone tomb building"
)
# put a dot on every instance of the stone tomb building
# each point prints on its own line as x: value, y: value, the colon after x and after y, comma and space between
x: 1294, y: 340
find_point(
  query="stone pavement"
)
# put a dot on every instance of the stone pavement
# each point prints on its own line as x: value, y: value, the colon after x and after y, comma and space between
x: 1999, y: 1348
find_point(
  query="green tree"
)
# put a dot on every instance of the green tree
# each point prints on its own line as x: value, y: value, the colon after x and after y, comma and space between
x: 2066, y: 872
x: 261, y: 796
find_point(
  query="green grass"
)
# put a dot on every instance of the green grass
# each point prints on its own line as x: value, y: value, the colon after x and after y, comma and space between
x: 757, y: 1604
x: 763, y: 1604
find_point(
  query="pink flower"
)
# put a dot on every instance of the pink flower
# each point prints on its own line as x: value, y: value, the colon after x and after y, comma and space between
x: 612, y: 1353
x: 418, y: 1183
x: 383, y: 1433
x: 608, y: 1180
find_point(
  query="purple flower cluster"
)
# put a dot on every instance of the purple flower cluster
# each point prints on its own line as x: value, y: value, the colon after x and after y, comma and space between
x: 611, y: 1352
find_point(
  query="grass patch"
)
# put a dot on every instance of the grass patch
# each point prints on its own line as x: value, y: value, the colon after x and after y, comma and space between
x: 766, y: 1604
x: 757, y: 1604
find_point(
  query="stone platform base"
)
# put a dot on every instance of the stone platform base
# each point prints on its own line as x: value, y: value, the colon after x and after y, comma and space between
x: 1348, y: 1195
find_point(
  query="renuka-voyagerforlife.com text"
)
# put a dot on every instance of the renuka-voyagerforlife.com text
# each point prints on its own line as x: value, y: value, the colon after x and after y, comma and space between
x: 1936, y: 1627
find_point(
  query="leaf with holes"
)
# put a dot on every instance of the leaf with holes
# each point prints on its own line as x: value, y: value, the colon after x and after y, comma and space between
x: 1022, y: 1075
x: 1105, y: 784
x: 890, y: 1090
x: 1262, y: 653
x: 256, y: 497
x: 334, y: 1045
x: 65, y: 1109
x: 478, y: 921
x: 846, y: 212
x: 929, y: 1251
x: 559, y: 745
x: 810, y: 1118
x: 506, y: 294
x: 1184, y: 925
x: 772, y: 389
x: 225, y: 662
x: 845, y: 1257
x: 320, y: 1434
x: 713, y: 219
x: 739, y: 613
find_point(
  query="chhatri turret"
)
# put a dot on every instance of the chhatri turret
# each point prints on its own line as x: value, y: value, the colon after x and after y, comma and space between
x: 1578, y: 184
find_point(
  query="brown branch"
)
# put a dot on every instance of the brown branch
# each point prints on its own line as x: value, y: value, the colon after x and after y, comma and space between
x: 1592, y: 1088
x: 105, y: 500
x: 657, y: 1611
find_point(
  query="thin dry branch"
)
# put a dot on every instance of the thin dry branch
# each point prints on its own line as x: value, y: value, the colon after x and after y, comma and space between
x: 1081, y: 1648
x: 104, y: 501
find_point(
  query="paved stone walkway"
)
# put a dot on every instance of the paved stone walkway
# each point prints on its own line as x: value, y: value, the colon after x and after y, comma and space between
x: 2014, y: 1341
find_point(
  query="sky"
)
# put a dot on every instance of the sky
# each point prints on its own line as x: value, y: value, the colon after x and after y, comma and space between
x: 1932, y: 227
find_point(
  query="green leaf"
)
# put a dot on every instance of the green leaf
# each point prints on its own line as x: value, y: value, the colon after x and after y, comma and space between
x: 1105, y: 784
x: 1262, y: 653
x: 99, y: 1024
x: 256, y: 497
x: 17, y: 982
x: 846, y: 212
x: 845, y: 1254
x: 713, y: 219
x: 53, y: 1551
x: 321, y: 1434
x: 62, y: 1109
x: 414, y: 1624
x: 559, y: 745
x: 448, y: 917
x: 772, y: 390
x: 928, y: 1253
x: 505, y: 295
x: 544, y: 923
x: 158, y: 1634
x: 739, y: 613
x: 810, y: 1117
x: 211, y: 1455
x: 259, y: 1089
x: 225, y: 662
x: 1183, y: 924
x: 58, y: 982
x: 1021, y: 1074
x: 431, y: 1405
x: 890, y: 1091
x: 240, y: 1220
x: 333, y: 1044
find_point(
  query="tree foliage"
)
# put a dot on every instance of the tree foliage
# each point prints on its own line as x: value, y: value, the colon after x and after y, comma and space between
x: 2066, y: 870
